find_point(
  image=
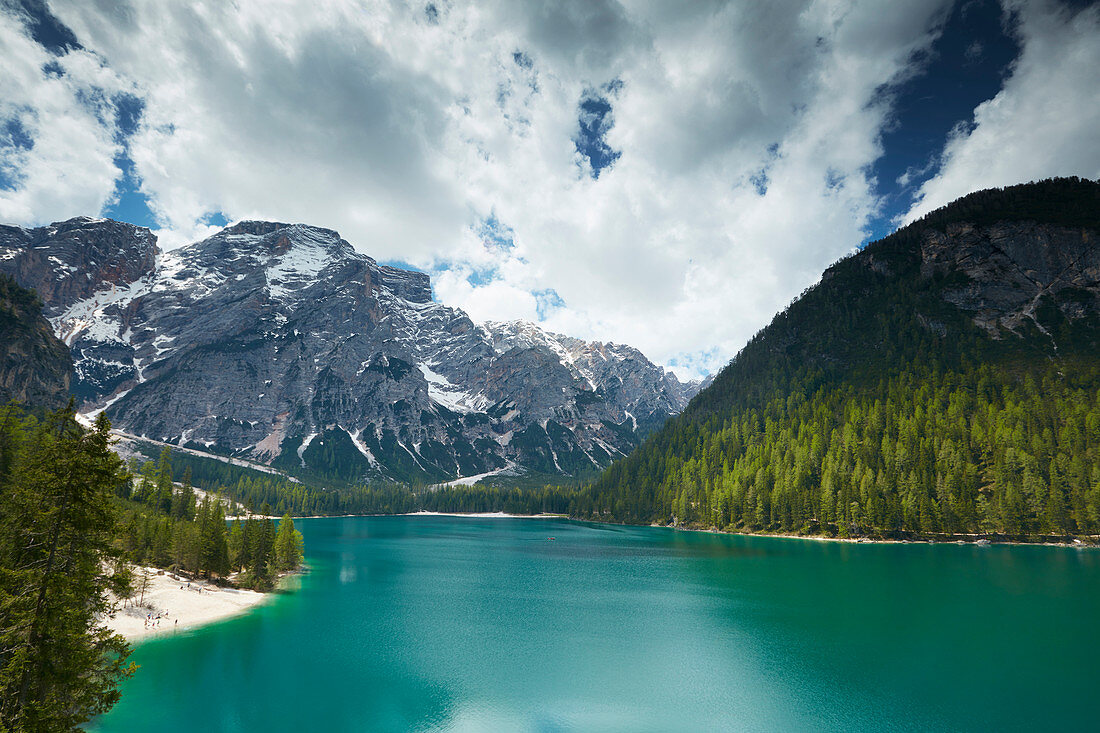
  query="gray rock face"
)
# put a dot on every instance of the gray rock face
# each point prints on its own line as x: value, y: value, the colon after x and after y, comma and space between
x: 281, y: 343
x: 1011, y: 268
x: 35, y: 368
x: 72, y: 260
x: 90, y: 269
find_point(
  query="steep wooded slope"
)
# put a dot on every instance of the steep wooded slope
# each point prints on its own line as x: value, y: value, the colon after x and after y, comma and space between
x: 942, y: 380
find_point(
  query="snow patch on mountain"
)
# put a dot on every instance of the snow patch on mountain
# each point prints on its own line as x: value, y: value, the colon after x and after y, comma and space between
x: 441, y: 391
x: 267, y: 330
x: 90, y: 319
x: 362, y: 447
x: 300, y: 266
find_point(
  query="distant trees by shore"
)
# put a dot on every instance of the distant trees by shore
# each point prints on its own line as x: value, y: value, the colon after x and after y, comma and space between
x: 919, y: 453
x: 164, y: 524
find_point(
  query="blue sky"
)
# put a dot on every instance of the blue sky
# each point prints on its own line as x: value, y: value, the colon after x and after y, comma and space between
x: 657, y: 174
x: 965, y: 66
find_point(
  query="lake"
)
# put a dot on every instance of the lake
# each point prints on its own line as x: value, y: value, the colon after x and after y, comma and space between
x: 456, y: 624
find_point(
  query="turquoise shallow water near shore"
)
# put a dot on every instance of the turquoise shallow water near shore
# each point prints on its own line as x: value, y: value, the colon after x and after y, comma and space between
x: 442, y: 623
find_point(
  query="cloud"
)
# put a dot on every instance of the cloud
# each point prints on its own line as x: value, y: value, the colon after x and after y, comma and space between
x: 58, y: 130
x: 673, y: 249
x: 734, y: 154
x: 1044, y: 120
x: 263, y: 112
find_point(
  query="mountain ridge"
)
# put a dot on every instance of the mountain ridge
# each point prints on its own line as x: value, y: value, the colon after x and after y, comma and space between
x: 281, y: 343
x: 940, y: 381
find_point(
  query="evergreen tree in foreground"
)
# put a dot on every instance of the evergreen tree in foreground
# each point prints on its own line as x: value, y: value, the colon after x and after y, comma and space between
x: 214, y: 550
x: 57, y: 667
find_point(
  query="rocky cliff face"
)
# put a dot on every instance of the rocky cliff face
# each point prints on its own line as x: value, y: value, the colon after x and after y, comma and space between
x: 72, y: 260
x: 281, y: 343
x: 89, y: 270
x: 1011, y: 269
x: 35, y: 367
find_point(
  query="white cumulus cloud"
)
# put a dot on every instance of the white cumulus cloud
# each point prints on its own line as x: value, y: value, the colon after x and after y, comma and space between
x: 444, y: 135
x: 59, y: 132
x: 1044, y: 122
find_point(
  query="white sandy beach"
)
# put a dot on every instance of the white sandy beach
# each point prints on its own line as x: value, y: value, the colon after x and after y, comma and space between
x: 176, y: 607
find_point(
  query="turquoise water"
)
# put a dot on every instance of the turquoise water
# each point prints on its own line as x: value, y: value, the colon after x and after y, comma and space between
x: 438, y: 623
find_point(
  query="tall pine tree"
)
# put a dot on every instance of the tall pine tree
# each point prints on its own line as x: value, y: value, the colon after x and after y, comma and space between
x: 58, y: 668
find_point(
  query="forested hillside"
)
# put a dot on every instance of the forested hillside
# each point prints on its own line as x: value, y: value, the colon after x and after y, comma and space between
x: 942, y: 380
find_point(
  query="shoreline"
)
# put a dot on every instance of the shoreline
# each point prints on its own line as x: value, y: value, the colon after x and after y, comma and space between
x: 479, y: 515
x: 471, y: 515
x: 178, y: 605
x: 979, y: 541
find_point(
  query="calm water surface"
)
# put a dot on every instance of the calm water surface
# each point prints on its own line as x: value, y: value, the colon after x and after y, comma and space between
x: 438, y: 623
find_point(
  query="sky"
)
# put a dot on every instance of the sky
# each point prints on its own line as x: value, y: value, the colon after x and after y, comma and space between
x: 665, y: 175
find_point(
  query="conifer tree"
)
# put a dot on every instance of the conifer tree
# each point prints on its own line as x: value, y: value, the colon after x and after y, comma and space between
x: 235, y: 544
x: 288, y: 545
x: 183, y: 500
x: 263, y: 553
x: 57, y: 667
x: 164, y: 481
x: 213, y: 553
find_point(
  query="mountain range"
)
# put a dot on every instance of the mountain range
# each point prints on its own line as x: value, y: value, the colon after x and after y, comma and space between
x: 281, y: 344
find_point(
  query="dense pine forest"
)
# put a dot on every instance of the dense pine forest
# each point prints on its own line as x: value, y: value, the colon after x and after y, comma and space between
x: 873, y: 406
x: 163, y: 523
x: 917, y: 453
x: 73, y: 522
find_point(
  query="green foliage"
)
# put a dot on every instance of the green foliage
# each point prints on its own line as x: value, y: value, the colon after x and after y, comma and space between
x: 873, y: 406
x: 1070, y: 202
x: 57, y: 564
x: 256, y: 558
x: 161, y: 526
x: 288, y: 545
x: 213, y: 547
x: 917, y: 453
x: 199, y: 542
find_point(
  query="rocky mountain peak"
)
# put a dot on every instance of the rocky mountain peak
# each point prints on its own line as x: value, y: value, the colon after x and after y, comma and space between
x: 257, y: 243
x: 281, y: 343
x: 70, y: 260
x: 254, y: 228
